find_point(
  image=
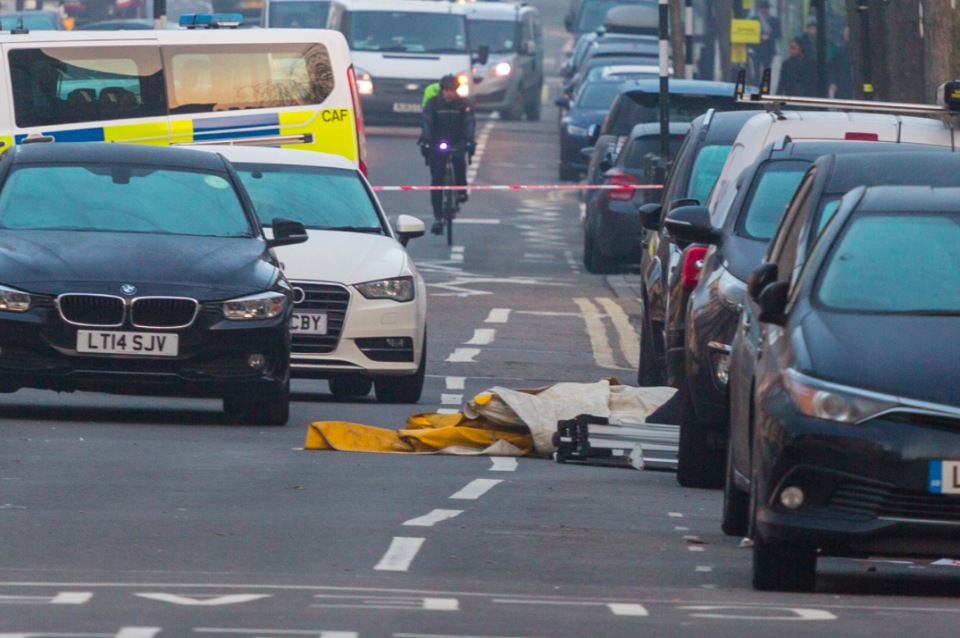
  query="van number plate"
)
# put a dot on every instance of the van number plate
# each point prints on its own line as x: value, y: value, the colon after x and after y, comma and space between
x: 309, y: 323
x: 142, y: 344
x: 403, y: 107
x: 945, y: 477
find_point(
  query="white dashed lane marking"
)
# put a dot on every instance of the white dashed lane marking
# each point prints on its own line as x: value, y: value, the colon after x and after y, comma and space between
x: 455, y: 383
x: 451, y: 399
x: 504, y: 464
x: 482, y: 337
x: 463, y: 355
x: 475, y: 489
x: 400, y: 555
x: 628, y: 609
x: 498, y: 315
x: 434, y: 517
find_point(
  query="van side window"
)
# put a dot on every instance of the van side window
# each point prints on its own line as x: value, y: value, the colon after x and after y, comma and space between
x: 68, y: 85
x: 205, y: 78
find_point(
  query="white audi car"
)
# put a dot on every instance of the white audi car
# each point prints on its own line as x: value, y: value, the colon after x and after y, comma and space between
x: 360, y: 305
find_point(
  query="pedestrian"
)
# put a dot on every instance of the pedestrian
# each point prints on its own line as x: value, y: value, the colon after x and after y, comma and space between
x: 770, y: 34
x: 841, y: 70
x: 808, y: 41
x: 797, y: 74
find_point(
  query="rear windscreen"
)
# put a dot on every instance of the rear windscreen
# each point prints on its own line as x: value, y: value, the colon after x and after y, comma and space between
x: 303, y: 14
x: 631, y: 111
x: 641, y: 147
x: 70, y: 85
x: 406, y: 32
x: 204, y: 78
x: 598, y: 95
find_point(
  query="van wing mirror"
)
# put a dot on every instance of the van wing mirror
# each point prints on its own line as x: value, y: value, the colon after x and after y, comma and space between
x: 691, y: 225
x: 287, y: 232
x: 650, y: 216
x: 761, y: 277
x: 482, y: 54
x: 773, y: 303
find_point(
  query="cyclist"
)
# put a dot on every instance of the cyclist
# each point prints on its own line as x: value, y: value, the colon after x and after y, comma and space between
x: 448, y: 131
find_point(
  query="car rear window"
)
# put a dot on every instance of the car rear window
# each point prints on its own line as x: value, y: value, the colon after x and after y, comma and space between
x: 895, y: 263
x: 204, y: 78
x: 641, y: 147
x: 317, y: 197
x: 122, y: 198
x: 301, y: 14
x: 706, y: 171
x: 643, y: 109
x: 598, y: 95
x: 773, y: 189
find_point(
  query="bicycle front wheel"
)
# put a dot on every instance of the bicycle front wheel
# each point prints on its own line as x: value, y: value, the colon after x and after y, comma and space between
x: 449, y: 203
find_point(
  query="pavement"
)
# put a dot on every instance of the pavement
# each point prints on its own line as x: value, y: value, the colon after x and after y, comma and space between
x: 134, y: 517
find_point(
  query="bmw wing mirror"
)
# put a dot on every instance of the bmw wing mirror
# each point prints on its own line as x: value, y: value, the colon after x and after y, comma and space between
x: 761, y: 277
x: 287, y: 232
x: 409, y: 227
x: 773, y: 303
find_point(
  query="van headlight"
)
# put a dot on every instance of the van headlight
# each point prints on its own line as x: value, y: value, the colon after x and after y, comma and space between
x: 364, y: 82
x: 13, y: 300
x: 397, y: 289
x: 265, y: 305
x: 833, y: 402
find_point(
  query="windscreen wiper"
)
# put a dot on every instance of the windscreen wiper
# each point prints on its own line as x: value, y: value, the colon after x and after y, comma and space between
x: 351, y: 229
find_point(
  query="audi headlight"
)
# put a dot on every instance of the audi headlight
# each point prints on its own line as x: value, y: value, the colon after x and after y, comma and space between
x: 503, y: 69
x: 573, y: 129
x: 15, y: 300
x: 364, y: 82
x: 266, y: 305
x: 833, y: 402
x: 398, y: 289
x: 731, y: 291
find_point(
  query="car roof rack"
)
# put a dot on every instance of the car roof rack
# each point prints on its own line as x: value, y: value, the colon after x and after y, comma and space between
x: 948, y: 96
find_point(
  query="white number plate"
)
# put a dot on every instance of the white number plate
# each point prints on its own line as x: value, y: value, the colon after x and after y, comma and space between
x: 945, y: 477
x: 146, y: 344
x: 403, y: 107
x: 309, y: 323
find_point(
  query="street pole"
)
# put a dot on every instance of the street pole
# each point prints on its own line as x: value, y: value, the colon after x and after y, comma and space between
x: 866, y: 60
x: 688, y: 32
x: 822, y: 81
x: 160, y: 14
x: 664, y: 85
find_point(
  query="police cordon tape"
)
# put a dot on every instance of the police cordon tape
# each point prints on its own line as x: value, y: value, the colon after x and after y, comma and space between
x: 522, y: 187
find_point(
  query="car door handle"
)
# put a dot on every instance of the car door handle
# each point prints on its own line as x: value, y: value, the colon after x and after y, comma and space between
x: 746, y: 323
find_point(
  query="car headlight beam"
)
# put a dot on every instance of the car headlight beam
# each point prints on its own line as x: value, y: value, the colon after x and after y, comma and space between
x: 398, y: 289
x: 13, y: 300
x: 581, y: 131
x: 266, y: 305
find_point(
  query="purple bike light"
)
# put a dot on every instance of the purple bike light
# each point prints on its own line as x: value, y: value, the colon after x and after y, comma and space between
x: 443, y: 146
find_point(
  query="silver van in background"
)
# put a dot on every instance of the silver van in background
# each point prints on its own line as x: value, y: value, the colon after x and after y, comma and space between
x: 295, y: 14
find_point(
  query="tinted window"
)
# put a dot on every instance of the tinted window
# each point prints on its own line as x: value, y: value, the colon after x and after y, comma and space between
x: 706, y: 170
x: 598, y: 95
x: 682, y: 109
x: 643, y: 146
x: 31, y: 21
x: 895, y: 263
x: 315, y: 196
x: 772, y: 191
x: 66, y: 85
x: 406, y: 32
x: 828, y: 208
x: 300, y: 15
x: 120, y: 198
x: 500, y: 36
x: 233, y: 77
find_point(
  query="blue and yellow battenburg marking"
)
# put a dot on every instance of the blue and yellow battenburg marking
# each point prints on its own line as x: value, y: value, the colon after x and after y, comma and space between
x: 332, y: 130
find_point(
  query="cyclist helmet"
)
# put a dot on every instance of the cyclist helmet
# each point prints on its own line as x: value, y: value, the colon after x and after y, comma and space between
x: 449, y: 83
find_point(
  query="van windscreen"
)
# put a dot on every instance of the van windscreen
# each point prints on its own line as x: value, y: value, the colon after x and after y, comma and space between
x: 69, y: 85
x: 407, y: 32
x: 299, y: 14
x: 205, y: 78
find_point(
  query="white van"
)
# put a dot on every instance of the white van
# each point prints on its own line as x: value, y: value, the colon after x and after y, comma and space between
x: 765, y: 128
x: 292, y: 88
x: 399, y: 47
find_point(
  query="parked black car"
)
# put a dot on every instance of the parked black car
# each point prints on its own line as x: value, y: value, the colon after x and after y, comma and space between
x: 709, y: 318
x: 141, y: 270
x: 611, y: 228
x: 817, y: 201
x: 855, y: 423
x: 663, y: 290
x: 587, y: 110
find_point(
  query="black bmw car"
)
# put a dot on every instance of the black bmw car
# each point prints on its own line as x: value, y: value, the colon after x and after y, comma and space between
x: 855, y: 426
x: 141, y: 270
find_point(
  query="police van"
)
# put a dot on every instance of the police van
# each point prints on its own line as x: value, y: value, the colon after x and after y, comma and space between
x: 292, y: 88
x: 401, y: 46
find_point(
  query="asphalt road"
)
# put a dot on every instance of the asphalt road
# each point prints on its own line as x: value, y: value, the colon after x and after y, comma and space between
x: 140, y: 518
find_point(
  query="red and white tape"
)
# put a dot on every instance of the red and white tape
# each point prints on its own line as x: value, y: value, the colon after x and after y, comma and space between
x: 522, y: 187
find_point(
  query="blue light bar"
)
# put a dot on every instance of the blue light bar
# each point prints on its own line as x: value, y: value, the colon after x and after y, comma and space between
x: 211, y: 20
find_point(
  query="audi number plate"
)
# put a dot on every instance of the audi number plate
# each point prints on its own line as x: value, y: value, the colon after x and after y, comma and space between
x: 145, y: 344
x: 403, y: 107
x: 309, y: 323
x: 945, y: 477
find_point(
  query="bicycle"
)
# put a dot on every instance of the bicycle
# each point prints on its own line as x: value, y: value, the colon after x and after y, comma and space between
x: 451, y: 203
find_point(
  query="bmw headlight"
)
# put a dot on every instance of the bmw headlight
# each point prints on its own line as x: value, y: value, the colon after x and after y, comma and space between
x: 398, y: 289
x: 15, y: 300
x: 364, y: 82
x: 573, y: 129
x: 503, y: 69
x: 833, y: 402
x: 266, y: 305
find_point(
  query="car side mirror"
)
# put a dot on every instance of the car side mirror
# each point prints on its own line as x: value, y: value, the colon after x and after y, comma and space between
x: 691, y: 225
x: 773, y: 303
x: 531, y: 47
x: 562, y: 102
x: 606, y: 163
x: 679, y: 203
x: 566, y: 70
x: 286, y: 232
x: 650, y: 216
x: 586, y: 154
x: 482, y: 54
x: 761, y: 277
x: 409, y: 227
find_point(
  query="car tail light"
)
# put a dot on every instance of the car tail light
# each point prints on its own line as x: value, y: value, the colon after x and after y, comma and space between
x: 358, y: 119
x: 692, y: 265
x: 862, y: 137
x: 627, y: 182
